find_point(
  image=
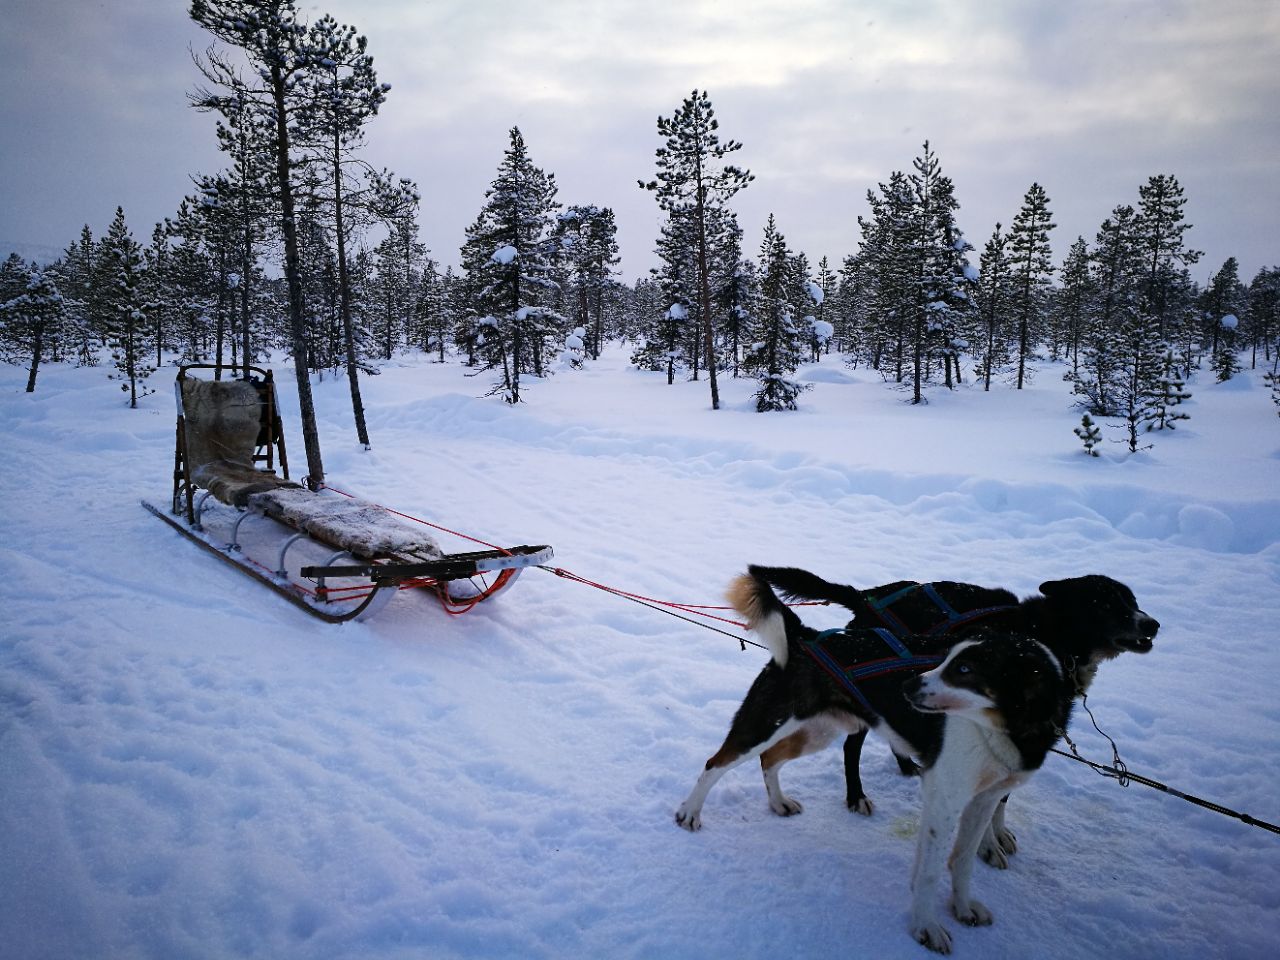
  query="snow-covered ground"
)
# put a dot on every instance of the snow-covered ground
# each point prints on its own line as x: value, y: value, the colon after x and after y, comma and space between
x: 192, y: 768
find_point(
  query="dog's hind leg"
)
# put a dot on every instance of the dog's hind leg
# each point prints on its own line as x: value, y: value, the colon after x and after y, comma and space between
x: 854, y: 796
x: 735, y: 750
x: 771, y: 761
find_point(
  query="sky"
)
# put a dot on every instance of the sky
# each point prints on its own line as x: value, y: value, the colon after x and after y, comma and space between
x: 828, y: 97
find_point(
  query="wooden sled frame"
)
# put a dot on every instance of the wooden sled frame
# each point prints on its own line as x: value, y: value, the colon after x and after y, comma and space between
x: 371, y: 575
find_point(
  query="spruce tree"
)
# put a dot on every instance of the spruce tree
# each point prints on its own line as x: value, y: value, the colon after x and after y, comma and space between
x: 1113, y: 329
x: 735, y: 294
x: 1170, y: 393
x: 1072, y: 302
x: 1264, y: 314
x: 1226, y: 362
x: 1222, y: 298
x: 1159, y: 233
x: 779, y: 341
x: 78, y: 274
x: 667, y: 344
x: 516, y: 286
x: 30, y: 320
x: 128, y: 344
x: 1030, y: 268
x: 244, y: 197
x: 1089, y: 434
x: 693, y: 179
x: 993, y: 306
x: 884, y: 264
x: 937, y: 295
x: 820, y: 289
x: 587, y: 236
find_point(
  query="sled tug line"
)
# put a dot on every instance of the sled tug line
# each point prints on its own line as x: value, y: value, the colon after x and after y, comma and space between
x: 334, y: 555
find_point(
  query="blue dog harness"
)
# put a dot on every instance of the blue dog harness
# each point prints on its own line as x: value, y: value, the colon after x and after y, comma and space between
x: 851, y: 656
x: 854, y: 655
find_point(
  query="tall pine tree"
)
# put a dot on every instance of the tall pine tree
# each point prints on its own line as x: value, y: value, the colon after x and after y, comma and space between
x: 693, y: 179
x: 1031, y: 268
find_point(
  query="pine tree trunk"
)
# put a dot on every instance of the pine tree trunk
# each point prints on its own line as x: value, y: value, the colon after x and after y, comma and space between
x: 297, y: 319
x: 704, y: 297
x: 37, y: 348
x: 344, y: 301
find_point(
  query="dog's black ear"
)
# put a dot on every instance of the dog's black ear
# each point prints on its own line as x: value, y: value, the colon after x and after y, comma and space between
x: 1054, y: 587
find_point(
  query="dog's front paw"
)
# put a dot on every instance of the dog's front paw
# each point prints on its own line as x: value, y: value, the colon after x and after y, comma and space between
x: 691, y: 820
x: 933, y: 935
x: 784, y: 806
x: 994, y: 855
x: 863, y: 805
x: 1008, y: 842
x: 972, y: 913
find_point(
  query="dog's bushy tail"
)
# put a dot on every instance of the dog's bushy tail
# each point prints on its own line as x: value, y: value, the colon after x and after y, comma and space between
x: 797, y: 584
x: 752, y: 597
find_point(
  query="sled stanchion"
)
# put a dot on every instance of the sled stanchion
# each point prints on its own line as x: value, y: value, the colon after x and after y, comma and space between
x: 281, y: 571
x: 235, y: 531
x: 199, y: 508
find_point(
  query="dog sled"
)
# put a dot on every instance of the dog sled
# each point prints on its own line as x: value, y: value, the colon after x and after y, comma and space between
x: 332, y: 554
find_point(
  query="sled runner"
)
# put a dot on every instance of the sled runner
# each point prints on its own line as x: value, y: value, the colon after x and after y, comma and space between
x: 229, y: 498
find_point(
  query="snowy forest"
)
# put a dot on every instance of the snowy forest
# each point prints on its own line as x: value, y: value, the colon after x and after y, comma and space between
x: 298, y: 245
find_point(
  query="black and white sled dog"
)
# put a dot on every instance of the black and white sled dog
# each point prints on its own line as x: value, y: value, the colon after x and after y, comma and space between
x: 979, y: 723
x: 1084, y: 621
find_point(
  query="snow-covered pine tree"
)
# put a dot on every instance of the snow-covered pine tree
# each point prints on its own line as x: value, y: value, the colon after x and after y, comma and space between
x: 1071, y: 304
x: 159, y: 295
x: 735, y: 294
x: 190, y: 286
x: 886, y: 272
x: 943, y: 283
x: 670, y: 339
x: 1169, y: 394
x: 514, y: 300
x: 1114, y: 265
x: 244, y: 198
x: 1089, y: 434
x: 1226, y: 361
x: 993, y: 306
x: 30, y: 321
x: 78, y: 273
x: 1264, y: 314
x: 15, y: 275
x: 780, y: 343
x: 1223, y: 297
x: 1159, y: 231
x: 1138, y: 390
x: 1030, y: 267
x: 1272, y: 379
x: 587, y: 237
x: 849, y: 310
x: 129, y: 329
x: 693, y: 179
x: 432, y: 313
x: 819, y: 289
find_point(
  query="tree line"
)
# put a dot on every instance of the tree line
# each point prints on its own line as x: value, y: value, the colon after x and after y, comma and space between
x: 538, y: 281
